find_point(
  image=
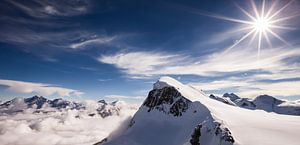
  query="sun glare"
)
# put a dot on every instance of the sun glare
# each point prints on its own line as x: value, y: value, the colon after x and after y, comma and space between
x: 261, y: 24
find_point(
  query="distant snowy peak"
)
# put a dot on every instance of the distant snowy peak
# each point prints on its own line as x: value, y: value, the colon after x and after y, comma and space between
x: 262, y: 102
x: 36, y: 102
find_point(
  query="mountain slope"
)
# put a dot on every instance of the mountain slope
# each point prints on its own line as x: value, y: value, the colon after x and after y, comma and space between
x: 199, y: 119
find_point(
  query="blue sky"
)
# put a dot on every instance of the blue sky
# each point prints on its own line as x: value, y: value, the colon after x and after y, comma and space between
x: 108, y: 49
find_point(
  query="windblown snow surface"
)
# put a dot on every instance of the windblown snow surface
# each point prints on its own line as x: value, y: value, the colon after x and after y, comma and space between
x: 60, y: 127
x: 247, y: 127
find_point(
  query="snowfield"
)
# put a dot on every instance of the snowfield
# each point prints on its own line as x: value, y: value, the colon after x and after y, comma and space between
x: 203, y: 120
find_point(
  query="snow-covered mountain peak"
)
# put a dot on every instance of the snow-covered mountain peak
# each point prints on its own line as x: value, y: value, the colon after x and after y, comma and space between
x: 267, y: 99
x: 177, y: 114
x: 188, y: 92
x: 166, y: 82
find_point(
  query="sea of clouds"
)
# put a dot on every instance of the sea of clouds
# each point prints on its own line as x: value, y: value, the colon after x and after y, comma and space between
x: 64, y: 127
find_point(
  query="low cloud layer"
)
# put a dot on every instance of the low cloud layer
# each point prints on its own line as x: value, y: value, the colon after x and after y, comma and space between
x: 39, y: 88
x: 72, y: 127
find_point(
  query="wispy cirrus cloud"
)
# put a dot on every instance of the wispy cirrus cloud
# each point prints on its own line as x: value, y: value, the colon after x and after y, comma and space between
x: 39, y: 88
x: 42, y: 9
x: 140, y: 63
x: 95, y: 40
x: 46, y: 23
x: 238, y: 60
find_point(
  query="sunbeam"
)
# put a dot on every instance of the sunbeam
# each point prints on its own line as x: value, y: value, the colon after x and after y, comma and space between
x: 261, y: 24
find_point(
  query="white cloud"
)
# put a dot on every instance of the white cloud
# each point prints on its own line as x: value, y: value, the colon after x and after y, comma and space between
x: 252, y: 86
x: 44, y: 9
x: 237, y: 60
x: 273, y: 61
x: 140, y: 63
x: 121, y: 97
x: 101, y: 40
x: 39, y: 88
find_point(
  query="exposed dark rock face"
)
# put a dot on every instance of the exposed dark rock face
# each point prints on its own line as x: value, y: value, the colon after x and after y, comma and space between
x: 107, y: 112
x: 213, y: 132
x: 246, y: 103
x: 103, y: 101
x: 195, y: 140
x: 231, y: 96
x: 221, y: 99
x: 60, y: 103
x: 159, y: 98
x: 101, y: 142
x: 224, y: 133
x: 39, y: 101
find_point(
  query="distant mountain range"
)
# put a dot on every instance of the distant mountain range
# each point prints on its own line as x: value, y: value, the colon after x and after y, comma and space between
x: 40, y: 104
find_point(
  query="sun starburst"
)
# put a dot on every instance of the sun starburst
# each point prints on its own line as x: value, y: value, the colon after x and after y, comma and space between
x: 261, y: 24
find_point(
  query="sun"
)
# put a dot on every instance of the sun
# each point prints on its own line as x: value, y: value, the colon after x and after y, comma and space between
x: 261, y: 24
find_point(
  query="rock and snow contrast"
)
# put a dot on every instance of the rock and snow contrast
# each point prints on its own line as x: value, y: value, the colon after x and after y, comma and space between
x: 39, y: 121
x: 177, y: 114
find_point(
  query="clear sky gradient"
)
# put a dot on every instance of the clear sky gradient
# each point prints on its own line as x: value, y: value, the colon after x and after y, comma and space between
x: 116, y: 49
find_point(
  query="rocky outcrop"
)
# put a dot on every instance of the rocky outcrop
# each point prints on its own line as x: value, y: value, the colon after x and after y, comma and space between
x: 211, y: 132
x: 195, y: 140
x: 222, y: 99
x: 167, y: 100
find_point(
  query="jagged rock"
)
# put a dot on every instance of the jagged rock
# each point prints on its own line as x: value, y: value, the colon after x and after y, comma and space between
x: 222, y: 99
x: 195, y: 140
x: 168, y: 96
x: 231, y: 96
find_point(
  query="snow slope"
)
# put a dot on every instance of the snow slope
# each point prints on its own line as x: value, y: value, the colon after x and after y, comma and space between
x: 198, y: 118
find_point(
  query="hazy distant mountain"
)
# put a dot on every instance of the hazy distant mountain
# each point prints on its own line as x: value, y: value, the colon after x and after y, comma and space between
x: 262, y: 102
x: 177, y: 114
x: 39, y: 104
